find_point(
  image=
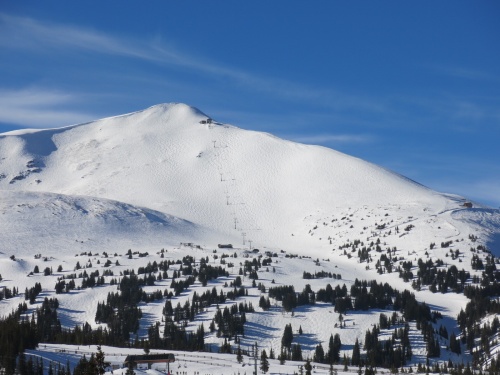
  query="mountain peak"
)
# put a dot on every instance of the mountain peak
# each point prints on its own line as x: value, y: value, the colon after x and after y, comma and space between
x: 230, y: 180
x: 175, y: 109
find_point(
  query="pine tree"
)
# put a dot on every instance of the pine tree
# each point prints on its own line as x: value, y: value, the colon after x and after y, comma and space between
x: 282, y: 356
x: 271, y: 354
x: 99, y: 361
x: 332, y: 371
x: 337, y: 344
x: 130, y: 370
x: 264, y: 363
x: 286, y: 340
x: 356, y: 354
x: 22, y: 366
x: 239, y: 355
x: 319, y: 354
x: 296, y: 352
x: 308, y: 367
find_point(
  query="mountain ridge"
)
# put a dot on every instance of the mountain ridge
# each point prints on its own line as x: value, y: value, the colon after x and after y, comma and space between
x: 237, y: 180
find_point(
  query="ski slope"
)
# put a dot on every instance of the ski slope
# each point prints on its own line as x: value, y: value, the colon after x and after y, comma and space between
x: 216, y: 176
x: 169, y: 178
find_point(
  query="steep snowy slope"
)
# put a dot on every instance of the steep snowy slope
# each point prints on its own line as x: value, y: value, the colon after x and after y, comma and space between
x: 241, y: 184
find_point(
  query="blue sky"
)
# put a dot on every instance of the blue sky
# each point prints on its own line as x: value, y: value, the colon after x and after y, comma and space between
x: 411, y: 86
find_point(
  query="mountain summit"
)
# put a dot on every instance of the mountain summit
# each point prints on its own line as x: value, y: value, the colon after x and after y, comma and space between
x: 231, y: 185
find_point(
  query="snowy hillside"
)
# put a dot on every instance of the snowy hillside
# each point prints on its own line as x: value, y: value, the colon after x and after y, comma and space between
x: 217, y: 176
x: 158, y: 185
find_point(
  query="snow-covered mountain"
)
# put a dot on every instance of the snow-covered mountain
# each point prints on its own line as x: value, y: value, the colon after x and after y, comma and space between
x: 224, y: 180
x: 170, y: 176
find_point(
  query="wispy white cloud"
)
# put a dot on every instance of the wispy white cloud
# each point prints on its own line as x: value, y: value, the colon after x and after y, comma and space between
x: 35, y: 107
x: 26, y: 33
x: 332, y: 138
x: 44, y: 37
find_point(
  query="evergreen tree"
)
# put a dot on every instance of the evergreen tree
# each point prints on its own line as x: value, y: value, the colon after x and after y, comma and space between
x: 332, y: 371
x: 100, y: 365
x: 308, y: 367
x: 130, y: 370
x: 334, y: 345
x: 239, y: 355
x: 282, y: 356
x: 271, y: 354
x: 319, y: 354
x: 454, y: 344
x: 22, y: 366
x: 296, y: 352
x: 356, y: 354
x: 264, y: 363
x: 337, y: 344
x: 286, y: 340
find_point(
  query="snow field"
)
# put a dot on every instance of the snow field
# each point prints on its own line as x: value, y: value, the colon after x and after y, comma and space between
x: 157, y: 178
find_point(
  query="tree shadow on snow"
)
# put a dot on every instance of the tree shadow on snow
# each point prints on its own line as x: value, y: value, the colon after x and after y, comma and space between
x: 258, y: 332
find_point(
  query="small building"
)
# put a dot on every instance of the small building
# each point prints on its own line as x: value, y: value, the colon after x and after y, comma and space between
x: 225, y: 246
x: 467, y: 204
x: 149, y: 359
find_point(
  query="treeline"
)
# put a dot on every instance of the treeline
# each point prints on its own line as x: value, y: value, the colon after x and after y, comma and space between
x: 483, y: 302
x: 120, y: 312
x: 440, y: 280
x: 19, y: 332
x: 320, y: 275
x: 289, y: 299
x: 175, y: 337
x: 391, y: 353
x: 8, y: 293
x: 230, y: 321
x: 366, y: 295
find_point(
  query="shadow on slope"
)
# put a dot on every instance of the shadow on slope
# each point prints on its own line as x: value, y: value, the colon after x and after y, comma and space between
x: 54, y: 222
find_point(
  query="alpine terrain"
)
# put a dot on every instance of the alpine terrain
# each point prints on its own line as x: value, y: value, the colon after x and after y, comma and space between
x: 166, y: 231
